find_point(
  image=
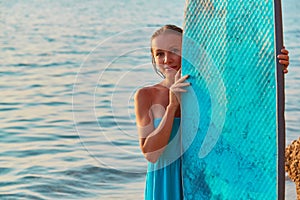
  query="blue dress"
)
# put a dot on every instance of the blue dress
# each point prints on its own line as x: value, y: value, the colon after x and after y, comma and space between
x: 163, y: 179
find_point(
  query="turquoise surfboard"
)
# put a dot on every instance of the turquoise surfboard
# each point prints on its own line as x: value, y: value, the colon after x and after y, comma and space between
x: 233, y: 130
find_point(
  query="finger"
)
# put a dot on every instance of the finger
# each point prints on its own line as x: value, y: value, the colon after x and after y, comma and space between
x: 285, y: 71
x: 284, y: 62
x: 178, y: 90
x: 284, y: 51
x: 185, y: 84
x: 178, y: 75
x: 283, y: 57
x: 182, y: 79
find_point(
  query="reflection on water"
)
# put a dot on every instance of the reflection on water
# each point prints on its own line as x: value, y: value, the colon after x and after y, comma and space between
x: 68, y: 74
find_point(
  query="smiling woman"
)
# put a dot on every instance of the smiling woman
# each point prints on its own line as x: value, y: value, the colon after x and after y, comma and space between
x: 166, y: 49
x: 157, y: 111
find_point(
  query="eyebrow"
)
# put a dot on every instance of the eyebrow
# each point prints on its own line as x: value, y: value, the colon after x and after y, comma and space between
x: 172, y: 47
x: 176, y: 47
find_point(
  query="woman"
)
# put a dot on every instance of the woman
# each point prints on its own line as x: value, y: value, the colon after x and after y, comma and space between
x: 157, y: 111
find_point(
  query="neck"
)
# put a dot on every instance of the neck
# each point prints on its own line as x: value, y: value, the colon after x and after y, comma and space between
x: 168, y: 82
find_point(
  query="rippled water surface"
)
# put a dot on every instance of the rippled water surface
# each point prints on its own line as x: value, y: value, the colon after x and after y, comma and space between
x: 68, y: 73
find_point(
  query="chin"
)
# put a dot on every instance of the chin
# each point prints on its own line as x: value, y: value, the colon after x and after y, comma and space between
x: 170, y: 73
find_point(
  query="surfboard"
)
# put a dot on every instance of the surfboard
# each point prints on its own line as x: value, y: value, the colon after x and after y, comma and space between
x: 233, y: 130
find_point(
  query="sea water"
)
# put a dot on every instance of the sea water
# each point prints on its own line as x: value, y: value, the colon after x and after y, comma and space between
x: 69, y: 70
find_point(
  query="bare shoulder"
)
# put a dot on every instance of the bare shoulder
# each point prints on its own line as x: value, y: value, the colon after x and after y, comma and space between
x: 146, y: 101
x: 142, y: 104
x: 142, y: 94
x: 145, y: 94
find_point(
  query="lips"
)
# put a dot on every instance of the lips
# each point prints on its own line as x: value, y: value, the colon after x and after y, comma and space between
x: 170, y: 67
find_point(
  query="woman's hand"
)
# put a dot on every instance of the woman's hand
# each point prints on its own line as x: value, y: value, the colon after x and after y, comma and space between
x: 177, y: 88
x: 284, y: 59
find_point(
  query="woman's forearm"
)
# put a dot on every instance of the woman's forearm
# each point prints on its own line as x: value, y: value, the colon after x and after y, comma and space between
x: 159, y: 138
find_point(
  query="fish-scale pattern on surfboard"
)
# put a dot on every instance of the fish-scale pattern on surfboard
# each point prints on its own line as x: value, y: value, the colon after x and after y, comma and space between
x: 229, y: 123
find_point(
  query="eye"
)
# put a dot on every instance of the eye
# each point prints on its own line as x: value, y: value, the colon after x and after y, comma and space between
x: 159, y: 54
x: 175, y: 51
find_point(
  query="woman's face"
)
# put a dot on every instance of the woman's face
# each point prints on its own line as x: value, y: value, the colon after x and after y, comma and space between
x: 166, y: 49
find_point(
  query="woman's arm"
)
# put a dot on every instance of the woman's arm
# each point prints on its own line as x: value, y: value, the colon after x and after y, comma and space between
x: 152, y: 140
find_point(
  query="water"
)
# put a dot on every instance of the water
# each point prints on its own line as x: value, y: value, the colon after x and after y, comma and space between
x: 68, y: 72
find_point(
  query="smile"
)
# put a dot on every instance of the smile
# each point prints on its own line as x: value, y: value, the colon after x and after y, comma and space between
x: 170, y: 67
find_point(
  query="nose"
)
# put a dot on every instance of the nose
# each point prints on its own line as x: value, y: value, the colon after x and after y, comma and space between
x: 168, y: 58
